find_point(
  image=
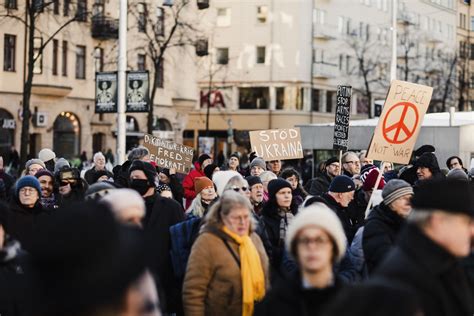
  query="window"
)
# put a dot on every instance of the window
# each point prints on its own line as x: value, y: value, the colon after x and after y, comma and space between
x: 81, y: 13
x: 315, y: 100
x: 472, y: 23
x: 80, y: 62
x: 98, y: 9
x: 38, y: 5
x: 223, y: 17
x: 160, y: 21
x: 222, y: 56
x: 141, y: 62
x: 472, y: 52
x: 66, y: 5
x: 55, y: 57
x: 319, y: 16
x: 56, y: 6
x: 260, y: 55
x: 64, y: 59
x: 11, y: 4
x: 9, y: 52
x: 385, y: 5
x: 256, y: 98
x: 340, y: 24
x: 262, y: 14
x: 38, y: 66
x: 160, y: 78
x: 471, y: 82
x: 99, y: 59
x: 141, y: 17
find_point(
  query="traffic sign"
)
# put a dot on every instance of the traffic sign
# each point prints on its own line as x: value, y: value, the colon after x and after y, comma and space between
x: 400, y: 122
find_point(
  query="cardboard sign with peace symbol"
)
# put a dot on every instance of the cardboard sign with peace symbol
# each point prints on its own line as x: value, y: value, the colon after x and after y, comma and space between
x: 400, y: 122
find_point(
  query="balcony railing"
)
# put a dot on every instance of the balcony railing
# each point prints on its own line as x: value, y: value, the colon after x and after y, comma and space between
x: 325, y: 71
x: 104, y: 28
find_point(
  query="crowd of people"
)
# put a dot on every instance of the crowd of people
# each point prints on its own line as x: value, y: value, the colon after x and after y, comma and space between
x: 359, y: 238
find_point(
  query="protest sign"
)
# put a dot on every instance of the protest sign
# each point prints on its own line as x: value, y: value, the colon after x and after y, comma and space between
x: 400, y: 122
x: 343, y: 113
x: 167, y: 154
x: 106, y: 92
x: 277, y: 144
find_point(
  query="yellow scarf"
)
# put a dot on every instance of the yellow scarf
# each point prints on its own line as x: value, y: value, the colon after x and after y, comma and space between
x: 253, y: 279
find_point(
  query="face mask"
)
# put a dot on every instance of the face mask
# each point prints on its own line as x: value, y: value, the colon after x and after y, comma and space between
x: 139, y: 185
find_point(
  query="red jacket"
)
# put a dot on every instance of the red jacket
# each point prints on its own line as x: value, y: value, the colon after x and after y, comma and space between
x: 188, y: 183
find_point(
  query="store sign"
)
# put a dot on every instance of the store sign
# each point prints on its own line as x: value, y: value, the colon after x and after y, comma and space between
x: 7, y: 123
x: 214, y: 99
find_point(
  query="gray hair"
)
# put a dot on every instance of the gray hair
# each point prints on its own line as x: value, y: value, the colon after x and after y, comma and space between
x: 235, y: 181
x: 228, y: 201
x: 97, y: 155
x: 138, y: 153
x: 267, y: 176
x: 420, y: 217
x: 347, y: 154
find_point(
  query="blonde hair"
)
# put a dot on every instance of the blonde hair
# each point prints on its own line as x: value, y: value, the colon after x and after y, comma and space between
x: 228, y: 201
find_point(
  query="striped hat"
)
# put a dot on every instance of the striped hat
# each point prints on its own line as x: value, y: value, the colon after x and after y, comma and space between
x: 395, y: 189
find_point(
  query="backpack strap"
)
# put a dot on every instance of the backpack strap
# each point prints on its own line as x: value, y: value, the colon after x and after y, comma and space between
x: 237, y: 260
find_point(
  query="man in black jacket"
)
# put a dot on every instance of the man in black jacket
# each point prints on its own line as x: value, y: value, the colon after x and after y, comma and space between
x: 161, y: 214
x: 426, y: 258
x: 321, y: 184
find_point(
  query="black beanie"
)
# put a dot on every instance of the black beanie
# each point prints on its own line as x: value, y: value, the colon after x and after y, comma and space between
x: 202, y: 158
x: 146, y: 167
x: 428, y: 160
x: 330, y: 161
x: 341, y: 184
x: 276, y: 185
x: 253, y: 180
x: 209, y: 170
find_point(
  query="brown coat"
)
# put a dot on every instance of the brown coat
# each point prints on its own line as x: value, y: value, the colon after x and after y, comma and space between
x: 213, y: 284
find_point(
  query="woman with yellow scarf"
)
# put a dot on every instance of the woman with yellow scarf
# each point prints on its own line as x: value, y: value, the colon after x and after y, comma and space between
x: 227, y: 270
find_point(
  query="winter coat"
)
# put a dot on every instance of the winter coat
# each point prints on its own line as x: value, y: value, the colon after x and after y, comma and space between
x: 299, y: 196
x: 381, y: 229
x: 15, y: 287
x: 353, y: 267
x: 350, y: 219
x: 188, y: 184
x: 320, y: 185
x: 8, y: 182
x: 213, y: 282
x: 288, y: 297
x: 22, y: 222
x: 434, y: 275
x: 176, y: 189
x: 161, y: 214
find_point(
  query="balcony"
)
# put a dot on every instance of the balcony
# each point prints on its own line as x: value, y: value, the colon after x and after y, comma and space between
x: 406, y: 18
x: 325, y: 71
x: 325, y: 32
x: 104, y: 28
x: 434, y: 37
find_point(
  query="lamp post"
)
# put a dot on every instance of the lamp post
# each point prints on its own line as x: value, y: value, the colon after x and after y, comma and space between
x: 122, y: 67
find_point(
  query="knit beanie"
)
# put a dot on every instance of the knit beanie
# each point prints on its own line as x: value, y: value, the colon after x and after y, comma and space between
x: 27, y: 181
x: 253, y: 180
x: 258, y: 162
x: 125, y: 203
x: 44, y: 172
x: 221, y: 178
x: 202, y: 182
x: 341, y: 184
x: 370, y: 179
x: 323, y: 217
x: 46, y: 154
x: 457, y: 174
x: 428, y: 160
x: 395, y: 189
x: 98, y: 190
x: 203, y: 158
x: 147, y: 168
x: 209, y: 170
x: 276, y: 185
x: 61, y: 163
x: 165, y: 171
x: 33, y: 162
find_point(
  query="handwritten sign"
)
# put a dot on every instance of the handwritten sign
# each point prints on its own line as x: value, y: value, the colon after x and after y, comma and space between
x: 277, y: 144
x: 343, y: 113
x: 167, y: 154
x: 400, y: 122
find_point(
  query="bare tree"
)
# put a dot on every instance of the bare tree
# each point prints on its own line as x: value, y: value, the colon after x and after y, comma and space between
x: 33, y: 10
x: 169, y: 27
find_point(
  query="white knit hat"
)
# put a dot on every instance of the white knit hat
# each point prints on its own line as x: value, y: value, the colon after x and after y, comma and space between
x: 323, y: 217
x: 46, y: 154
x: 125, y: 203
x: 221, y: 178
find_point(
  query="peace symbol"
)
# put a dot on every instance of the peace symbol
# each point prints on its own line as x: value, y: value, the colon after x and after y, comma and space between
x: 400, y: 126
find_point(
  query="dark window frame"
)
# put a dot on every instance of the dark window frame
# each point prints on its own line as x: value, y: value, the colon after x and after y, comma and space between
x: 81, y: 60
x: 11, y: 4
x: 9, y: 52
x: 55, y: 57
x: 81, y: 12
x: 64, y: 54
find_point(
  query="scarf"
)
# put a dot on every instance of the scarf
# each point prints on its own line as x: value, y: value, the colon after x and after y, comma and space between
x: 48, y: 203
x: 286, y: 217
x: 253, y: 279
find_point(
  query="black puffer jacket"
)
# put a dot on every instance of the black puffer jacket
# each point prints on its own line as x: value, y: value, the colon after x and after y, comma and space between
x: 380, y: 232
x: 15, y: 289
x: 320, y: 185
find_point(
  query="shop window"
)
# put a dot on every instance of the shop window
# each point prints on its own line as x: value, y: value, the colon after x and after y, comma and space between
x: 254, y: 98
x: 66, y: 138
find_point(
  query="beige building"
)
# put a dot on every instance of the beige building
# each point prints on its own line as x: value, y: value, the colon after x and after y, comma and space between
x: 277, y: 63
x: 63, y: 94
x: 465, y: 27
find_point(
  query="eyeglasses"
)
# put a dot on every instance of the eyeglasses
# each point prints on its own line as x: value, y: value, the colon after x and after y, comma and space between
x: 353, y: 162
x: 239, y: 219
x: 318, y: 241
x: 237, y: 189
x: 335, y: 166
x: 27, y: 190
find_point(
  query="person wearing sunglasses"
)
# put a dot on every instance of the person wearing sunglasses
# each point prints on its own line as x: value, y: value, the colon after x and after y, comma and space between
x: 350, y: 164
x: 239, y: 185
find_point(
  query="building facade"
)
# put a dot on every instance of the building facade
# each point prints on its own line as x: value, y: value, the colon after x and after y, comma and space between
x: 63, y: 92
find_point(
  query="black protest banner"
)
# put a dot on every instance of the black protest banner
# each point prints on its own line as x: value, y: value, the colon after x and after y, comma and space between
x: 343, y: 113
x: 167, y: 154
x: 106, y: 92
